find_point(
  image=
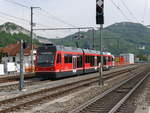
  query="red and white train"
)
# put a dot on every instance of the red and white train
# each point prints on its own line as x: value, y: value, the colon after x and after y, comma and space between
x: 58, y: 61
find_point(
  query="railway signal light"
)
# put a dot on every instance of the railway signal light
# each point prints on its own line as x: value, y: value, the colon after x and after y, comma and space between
x: 99, y: 11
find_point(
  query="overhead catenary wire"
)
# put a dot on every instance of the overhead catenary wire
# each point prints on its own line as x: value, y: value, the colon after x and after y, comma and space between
x: 57, y: 19
x: 47, y: 13
x: 24, y: 6
x: 130, y: 12
x: 120, y: 10
x: 17, y: 3
x: 11, y: 19
x: 19, y: 18
x: 144, y: 13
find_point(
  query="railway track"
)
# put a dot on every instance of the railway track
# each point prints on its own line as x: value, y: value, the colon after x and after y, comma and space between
x: 112, y: 99
x: 52, y: 93
x: 14, y: 86
x: 13, y: 78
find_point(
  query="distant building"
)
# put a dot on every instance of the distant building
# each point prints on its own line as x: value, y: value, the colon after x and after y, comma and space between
x: 148, y: 58
x: 128, y: 57
x: 11, y: 54
x: 142, y: 47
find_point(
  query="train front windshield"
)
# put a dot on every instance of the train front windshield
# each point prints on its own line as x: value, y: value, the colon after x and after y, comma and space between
x: 45, y: 59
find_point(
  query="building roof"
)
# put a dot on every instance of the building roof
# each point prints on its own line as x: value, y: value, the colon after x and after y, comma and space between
x: 13, y: 49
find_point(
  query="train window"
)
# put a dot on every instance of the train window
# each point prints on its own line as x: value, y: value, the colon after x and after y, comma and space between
x: 92, y: 60
x: 65, y: 58
x: 79, y: 61
x: 45, y: 59
x: 112, y: 59
x: 109, y: 59
x: 68, y: 58
x: 98, y: 60
x: 59, y: 58
x: 87, y: 59
x: 104, y: 60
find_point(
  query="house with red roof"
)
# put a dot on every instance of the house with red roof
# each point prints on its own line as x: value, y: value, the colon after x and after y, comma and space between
x: 11, y: 53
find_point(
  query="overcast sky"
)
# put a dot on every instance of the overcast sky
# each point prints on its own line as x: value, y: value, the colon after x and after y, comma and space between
x: 73, y: 13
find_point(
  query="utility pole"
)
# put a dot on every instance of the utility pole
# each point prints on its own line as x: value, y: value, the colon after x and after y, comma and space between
x: 21, y: 81
x: 77, y: 38
x: 100, y: 21
x: 101, y: 81
x: 31, y: 35
x: 93, y: 38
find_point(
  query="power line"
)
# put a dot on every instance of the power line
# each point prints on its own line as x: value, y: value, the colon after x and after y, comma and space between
x: 65, y: 28
x: 19, y: 4
x: 119, y: 10
x: 145, y: 9
x: 19, y: 18
x: 57, y: 19
x: 49, y: 15
x: 129, y: 11
x: 27, y: 7
x: 12, y: 20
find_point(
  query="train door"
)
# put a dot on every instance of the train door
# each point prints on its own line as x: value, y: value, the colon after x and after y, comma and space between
x: 59, y: 62
x: 74, y: 61
x: 95, y: 62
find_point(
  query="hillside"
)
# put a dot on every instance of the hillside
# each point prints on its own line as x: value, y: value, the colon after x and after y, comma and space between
x: 118, y: 38
x: 11, y: 33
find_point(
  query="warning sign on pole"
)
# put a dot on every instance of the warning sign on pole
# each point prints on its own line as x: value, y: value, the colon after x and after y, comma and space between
x: 99, y: 11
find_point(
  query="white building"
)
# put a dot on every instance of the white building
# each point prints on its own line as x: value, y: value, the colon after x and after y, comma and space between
x: 11, y: 55
x: 128, y: 57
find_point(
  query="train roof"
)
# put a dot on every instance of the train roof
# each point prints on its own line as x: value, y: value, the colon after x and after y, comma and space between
x: 91, y: 51
x: 69, y: 49
x: 107, y: 53
x: 54, y: 48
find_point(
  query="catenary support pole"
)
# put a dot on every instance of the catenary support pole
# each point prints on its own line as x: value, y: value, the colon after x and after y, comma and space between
x: 31, y: 38
x: 101, y: 81
x: 93, y: 39
x: 31, y: 35
x: 21, y: 81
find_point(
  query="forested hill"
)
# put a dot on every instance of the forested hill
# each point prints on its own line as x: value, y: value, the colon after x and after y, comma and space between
x: 11, y: 33
x: 118, y: 38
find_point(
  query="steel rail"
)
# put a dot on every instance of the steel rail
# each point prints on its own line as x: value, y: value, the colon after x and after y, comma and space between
x: 88, y: 103
x: 105, y: 77
x: 45, y: 93
x: 13, y: 78
x: 41, y: 95
x: 115, y: 108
